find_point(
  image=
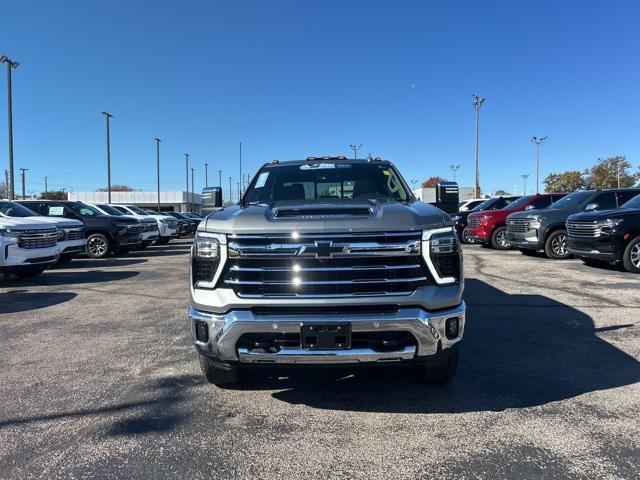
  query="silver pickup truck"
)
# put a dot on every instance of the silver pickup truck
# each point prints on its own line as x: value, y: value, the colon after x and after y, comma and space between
x: 327, y: 261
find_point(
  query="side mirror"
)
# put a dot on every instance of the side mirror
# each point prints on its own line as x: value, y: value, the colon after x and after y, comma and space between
x: 529, y: 207
x: 591, y: 207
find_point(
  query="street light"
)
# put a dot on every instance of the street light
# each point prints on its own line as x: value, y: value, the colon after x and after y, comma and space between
x: 10, y: 64
x: 220, y: 178
x: 538, y: 141
x: 230, y: 198
x: 158, y: 168
x: 22, y: 170
x: 454, y: 169
x: 355, y: 149
x: 206, y: 175
x: 107, y: 115
x: 186, y: 157
x: 193, y: 201
x: 477, y: 103
x: 524, y: 178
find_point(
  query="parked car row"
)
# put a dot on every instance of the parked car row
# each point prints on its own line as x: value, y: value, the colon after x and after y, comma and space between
x: 34, y: 234
x: 594, y: 225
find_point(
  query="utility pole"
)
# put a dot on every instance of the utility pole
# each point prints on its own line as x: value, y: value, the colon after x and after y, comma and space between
x: 193, y: 197
x: 355, y: 149
x: 618, y: 171
x: 230, y: 198
x: 22, y: 170
x: 46, y: 189
x: 158, y: 168
x: 240, y: 160
x: 538, y: 141
x: 108, y: 116
x: 524, y: 178
x: 6, y: 182
x: 186, y: 157
x: 206, y: 175
x: 454, y: 169
x: 477, y: 103
x: 10, y: 64
x: 220, y: 178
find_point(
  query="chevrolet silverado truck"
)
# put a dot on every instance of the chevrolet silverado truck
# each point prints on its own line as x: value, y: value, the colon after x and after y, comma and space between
x: 71, y: 240
x: 460, y: 219
x: 327, y: 261
x: 490, y: 228
x: 27, y: 247
x: 611, y: 236
x: 544, y: 230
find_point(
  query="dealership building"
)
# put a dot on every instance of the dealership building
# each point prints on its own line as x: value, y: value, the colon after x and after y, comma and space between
x: 170, y: 201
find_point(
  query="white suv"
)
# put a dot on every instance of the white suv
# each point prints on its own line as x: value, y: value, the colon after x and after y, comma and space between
x: 28, y: 246
x: 150, y: 228
x: 71, y: 240
x: 168, y: 226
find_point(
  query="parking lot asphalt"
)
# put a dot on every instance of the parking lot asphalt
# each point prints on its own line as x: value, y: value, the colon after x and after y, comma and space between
x: 99, y: 380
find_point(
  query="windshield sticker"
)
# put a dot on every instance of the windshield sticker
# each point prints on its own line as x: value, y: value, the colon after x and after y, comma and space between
x: 317, y: 166
x: 56, y: 211
x: 262, y: 179
x: 386, y: 172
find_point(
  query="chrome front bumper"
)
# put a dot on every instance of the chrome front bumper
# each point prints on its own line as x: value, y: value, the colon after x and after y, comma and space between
x: 226, y: 329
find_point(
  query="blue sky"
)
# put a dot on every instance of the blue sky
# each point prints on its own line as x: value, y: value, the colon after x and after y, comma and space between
x: 296, y: 78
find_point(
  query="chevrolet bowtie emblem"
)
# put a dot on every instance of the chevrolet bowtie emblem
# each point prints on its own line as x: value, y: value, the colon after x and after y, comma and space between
x: 324, y: 248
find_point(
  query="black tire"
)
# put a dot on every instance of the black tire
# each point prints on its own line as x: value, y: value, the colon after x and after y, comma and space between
x: 631, y: 256
x: 163, y: 240
x: 556, y: 246
x: 442, y: 372
x: 216, y: 375
x: 98, y: 246
x: 465, y: 238
x: 66, y: 257
x: 499, y: 239
x: 29, y: 272
x: 528, y: 253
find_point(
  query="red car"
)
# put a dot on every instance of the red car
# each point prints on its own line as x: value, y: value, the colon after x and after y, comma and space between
x: 489, y: 227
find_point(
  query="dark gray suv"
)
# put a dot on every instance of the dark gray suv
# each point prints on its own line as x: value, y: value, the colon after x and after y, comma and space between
x: 545, y: 231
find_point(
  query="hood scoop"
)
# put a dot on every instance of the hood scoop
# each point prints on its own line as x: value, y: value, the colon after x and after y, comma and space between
x: 322, y: 212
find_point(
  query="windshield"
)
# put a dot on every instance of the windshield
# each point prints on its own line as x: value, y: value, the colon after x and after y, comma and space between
x: 518, y: 203
x: 633, y: 203
x: 11, y: 209
x: 573, y: 200
x: 85, y: 210
x: 137, y: 210
x: 110, y: 210
x: 486, y: 205
x: 327, y: 180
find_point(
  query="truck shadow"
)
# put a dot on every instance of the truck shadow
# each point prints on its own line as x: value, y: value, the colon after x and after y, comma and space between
x: 519, y: 351
x: 65, y: 278
x: 15, y: 301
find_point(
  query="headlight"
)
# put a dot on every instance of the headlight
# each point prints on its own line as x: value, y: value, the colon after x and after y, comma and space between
x: 609, y: 224
x: 207, y: 245
x: 122, y: 227
x: 441, y: 252
x: 536, y: 221
x: 7, y: 232
x: 60, y: 233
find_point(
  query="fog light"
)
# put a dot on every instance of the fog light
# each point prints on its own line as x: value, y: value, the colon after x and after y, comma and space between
x: 452, y: 327
x: 202, y: 331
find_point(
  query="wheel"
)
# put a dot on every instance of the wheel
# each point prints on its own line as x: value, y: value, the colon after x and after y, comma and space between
x: 556, y: 246
x: 631, y: 256
x: 66, y: 257
x: 29, y: 272
x: 216, y: 375
x: 528, y: 253
x: 442, y: 372
x: 163, y: 240
x: 499, y: 239
x: 465, y: 237
x: 98, y: 245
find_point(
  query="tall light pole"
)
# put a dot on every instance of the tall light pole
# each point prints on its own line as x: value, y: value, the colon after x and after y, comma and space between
x: 206, y: 175
x: 538, y: 141
x: 108, y: 116
x: 230, y: 197
x: 477, y: 103
x: 10, y: 64
x: 240, y: 162
x: 454, y: 169
x: 46, y: 189
x: 22, y: 170
x: 186, y: 158
x: 355, y: 149
x: 158, y: 168
x: 193, y: 197
x: 524, y: 178
x: 220, y: 178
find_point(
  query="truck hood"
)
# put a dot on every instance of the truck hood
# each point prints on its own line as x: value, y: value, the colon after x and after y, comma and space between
x: 544, y: 212
x: 59, y: 222
x: 603, y: 215
x: 326, y: 216
x: 23, y: 223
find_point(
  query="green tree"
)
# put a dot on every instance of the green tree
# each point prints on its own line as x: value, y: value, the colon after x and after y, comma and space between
x: 431, y: 182
x: 117, y: 188
x: 564, y: 182
x: 611, y: 172
x: 54, y: 195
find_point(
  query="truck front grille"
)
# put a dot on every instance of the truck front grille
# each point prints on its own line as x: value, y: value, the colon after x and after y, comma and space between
x: 518, y: 225
x: 473, y: 222
x: 44, y: 238
x: 583, y: 229
x: 325, y: 265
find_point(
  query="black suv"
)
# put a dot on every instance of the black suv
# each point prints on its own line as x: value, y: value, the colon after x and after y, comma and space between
x: 460, y: 219
x: 105, y: 233
x: 188, y: 225
x: 609, y: 235
x: 545, y: 231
